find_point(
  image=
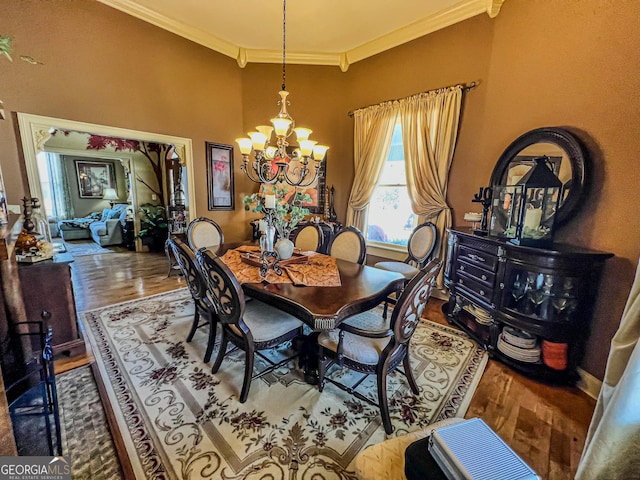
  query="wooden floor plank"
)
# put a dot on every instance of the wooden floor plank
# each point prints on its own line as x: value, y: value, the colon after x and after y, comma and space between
x: 546, y: 425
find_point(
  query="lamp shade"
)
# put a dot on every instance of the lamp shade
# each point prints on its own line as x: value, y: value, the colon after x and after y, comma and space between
x: 110, y: 194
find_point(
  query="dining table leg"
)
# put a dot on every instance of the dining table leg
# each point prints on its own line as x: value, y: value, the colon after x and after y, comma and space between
x: 307, y: 347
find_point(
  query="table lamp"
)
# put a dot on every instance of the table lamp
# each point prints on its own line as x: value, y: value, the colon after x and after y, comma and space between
x: 111, y: 195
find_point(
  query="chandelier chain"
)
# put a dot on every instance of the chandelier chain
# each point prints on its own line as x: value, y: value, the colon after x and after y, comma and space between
x: 284, y: 43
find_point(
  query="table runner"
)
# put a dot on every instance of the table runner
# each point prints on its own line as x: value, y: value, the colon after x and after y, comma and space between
x: 320, y: 271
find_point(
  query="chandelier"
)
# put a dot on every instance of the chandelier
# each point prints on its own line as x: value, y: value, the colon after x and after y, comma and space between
x: 271, y: 164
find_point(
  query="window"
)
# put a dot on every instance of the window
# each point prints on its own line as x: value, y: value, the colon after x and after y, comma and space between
x: 45, y: 184
x: 391, y: 219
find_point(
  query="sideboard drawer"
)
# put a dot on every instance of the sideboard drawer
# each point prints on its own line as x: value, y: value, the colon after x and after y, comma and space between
x: 479, y: 258
x: 482, y: 275
x: 476, y: 287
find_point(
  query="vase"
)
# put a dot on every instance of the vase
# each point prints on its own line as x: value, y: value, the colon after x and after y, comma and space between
x: 284, y: 248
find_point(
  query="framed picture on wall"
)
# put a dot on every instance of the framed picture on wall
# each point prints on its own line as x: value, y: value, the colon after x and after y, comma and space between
x: 94, y: 178
x: 317, y: 190
x: 220, y: 176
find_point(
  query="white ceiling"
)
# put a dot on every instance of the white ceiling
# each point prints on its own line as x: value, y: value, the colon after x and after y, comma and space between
x: 319, y: 32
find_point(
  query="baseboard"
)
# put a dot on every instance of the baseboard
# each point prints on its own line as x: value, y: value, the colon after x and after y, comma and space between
x: 589, y: 384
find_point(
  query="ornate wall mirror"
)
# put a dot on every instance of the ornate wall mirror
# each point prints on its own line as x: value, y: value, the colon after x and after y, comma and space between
x: 567, y: 157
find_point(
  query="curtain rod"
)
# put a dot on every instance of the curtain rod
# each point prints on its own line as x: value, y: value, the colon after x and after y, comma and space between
x: 465, y: 88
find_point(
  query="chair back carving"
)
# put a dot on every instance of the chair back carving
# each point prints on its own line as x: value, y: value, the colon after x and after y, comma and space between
x: 223, y: 287
x: 349, y: 244
x: 189, y: 269
x: 204, y: 232
x: 412, y: 301
x: 422, y: 243
x: 308, y: 238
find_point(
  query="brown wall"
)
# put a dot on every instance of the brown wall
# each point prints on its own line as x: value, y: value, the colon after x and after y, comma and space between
x: 104, y: 67
x: 544, y: 63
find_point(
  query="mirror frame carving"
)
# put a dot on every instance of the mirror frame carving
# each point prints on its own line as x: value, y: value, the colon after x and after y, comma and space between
x: 576, y: 154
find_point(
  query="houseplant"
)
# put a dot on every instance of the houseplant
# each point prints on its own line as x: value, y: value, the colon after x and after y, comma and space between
x: 154, y: 228
x: 286, y: 215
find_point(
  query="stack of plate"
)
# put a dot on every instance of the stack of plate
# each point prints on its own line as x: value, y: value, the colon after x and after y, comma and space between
x: 482, y: 316
x: 518, y: 338
x: 519, y: 345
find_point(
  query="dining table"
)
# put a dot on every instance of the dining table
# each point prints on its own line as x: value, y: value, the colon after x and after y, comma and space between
x: 322, y: 292
x: 360, y: 288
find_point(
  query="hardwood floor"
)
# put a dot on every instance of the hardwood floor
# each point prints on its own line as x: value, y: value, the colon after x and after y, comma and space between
x: 546, y: 425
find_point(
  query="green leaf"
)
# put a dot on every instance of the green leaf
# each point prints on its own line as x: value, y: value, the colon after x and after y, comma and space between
x: 5, y: 47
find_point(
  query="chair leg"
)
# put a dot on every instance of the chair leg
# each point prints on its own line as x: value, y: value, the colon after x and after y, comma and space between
x: 386, y: 308
x: 194, y: 326
x: 223, y: 349
x: 248, y: 371
x: 409, y: 374
x: 384, y: 402
x: 213, y: 326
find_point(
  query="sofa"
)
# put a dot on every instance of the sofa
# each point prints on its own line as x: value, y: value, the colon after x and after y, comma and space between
x: 103, y: 228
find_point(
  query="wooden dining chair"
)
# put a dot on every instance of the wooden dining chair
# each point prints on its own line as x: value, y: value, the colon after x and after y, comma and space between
x: 204, y: 308
x: 349, y: 244
x: 421, y: 245
x: 251, y: 327
x: 204, y: 232
x: 308, y: 238
x: 422, y: 242
x: 380, y: 349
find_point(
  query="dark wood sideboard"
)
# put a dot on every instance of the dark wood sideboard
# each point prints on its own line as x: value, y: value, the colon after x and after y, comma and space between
x: 543, y: 296
x: 27, y: 291
x: 46, y: 287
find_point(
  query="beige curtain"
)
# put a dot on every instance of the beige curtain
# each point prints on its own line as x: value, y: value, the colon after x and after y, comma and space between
x: 612, y: 447
x: 373, y: 129
x: 429, y: 132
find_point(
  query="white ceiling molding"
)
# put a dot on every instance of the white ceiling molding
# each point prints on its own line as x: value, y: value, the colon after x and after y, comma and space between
x: 179, y: 28
x: 456, y: 11
x: 493, y: 7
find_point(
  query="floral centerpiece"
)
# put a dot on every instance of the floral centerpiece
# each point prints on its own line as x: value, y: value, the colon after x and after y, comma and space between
x: 283, y: 214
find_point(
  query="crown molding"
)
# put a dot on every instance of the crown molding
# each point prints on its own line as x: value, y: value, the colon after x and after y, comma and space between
x: 174, y: 26
x: 458, y: 12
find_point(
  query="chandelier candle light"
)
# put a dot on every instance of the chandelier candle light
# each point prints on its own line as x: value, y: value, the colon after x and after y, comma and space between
x: 271, y: 163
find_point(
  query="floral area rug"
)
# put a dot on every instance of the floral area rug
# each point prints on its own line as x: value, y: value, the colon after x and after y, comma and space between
x: 180, y: 421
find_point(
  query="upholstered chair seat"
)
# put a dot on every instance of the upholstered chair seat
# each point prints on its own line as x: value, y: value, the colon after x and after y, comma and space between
x: 420, y: 247
x: 266, y: 322
x: 355, y: 347
x: 406, y: 270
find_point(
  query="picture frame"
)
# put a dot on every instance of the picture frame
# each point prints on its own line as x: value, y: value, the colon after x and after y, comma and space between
x: 317, y: 190
x: 220, y: 182
x: 94, y: 177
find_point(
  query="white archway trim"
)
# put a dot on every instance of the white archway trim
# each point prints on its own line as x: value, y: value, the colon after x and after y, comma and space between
x: 35, y: 131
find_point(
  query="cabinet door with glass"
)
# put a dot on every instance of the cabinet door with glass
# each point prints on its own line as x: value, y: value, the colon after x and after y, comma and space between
x: 546, y: 303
